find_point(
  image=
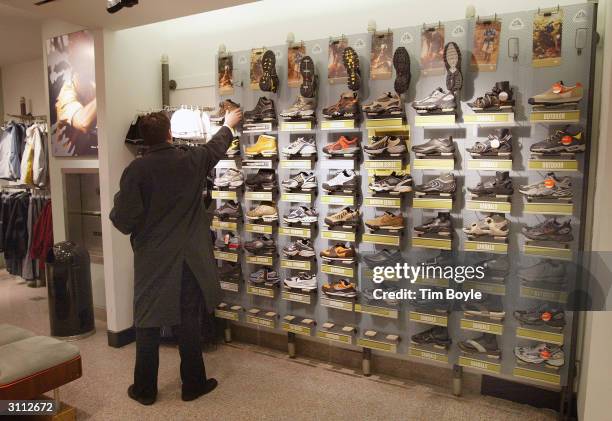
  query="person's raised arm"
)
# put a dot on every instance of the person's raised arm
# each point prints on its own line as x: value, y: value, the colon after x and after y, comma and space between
x: 215, y: 149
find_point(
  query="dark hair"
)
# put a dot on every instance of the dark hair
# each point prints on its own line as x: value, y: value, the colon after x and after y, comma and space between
x: 154, y: 128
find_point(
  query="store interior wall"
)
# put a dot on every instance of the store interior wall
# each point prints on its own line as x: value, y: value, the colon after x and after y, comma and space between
x: 24, y: 80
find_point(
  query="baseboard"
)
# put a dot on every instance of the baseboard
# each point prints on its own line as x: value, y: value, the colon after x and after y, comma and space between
x: 520, y: 393
x: 121, y: 338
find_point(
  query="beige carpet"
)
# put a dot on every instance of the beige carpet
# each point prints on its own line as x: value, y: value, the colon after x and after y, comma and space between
x: 253, y: 385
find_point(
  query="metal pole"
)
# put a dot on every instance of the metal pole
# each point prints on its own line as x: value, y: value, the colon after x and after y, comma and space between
x: 366, y: 363
x: 457, y: 379
x: 291, y: 344
x: 227, y: 331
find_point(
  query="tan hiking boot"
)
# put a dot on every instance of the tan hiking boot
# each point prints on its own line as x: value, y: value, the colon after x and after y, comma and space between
x: 386, y: 221
x: 346, y: 216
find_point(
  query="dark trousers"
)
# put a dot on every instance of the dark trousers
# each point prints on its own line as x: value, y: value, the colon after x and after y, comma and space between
x: 193, y: 373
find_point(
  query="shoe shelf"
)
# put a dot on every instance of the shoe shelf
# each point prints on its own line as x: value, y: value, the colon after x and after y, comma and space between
x: 228, y: 312
x: 554, y: 116
x: 260, y: 162
x: 390, y: 165
x: 262, y: 228
x: 260, y: 196
x: 435, y: 120
x: 497, y: 204
x: 493, y: 288
x: 429, y: 317
x: 552, y: 207
x: 301, y: 263
x: 261, y: 290
x: 490, y: 119
x: 227, y: 256
x: 383, y: 202
x: 258, y: 317
x: 297, y: 125
x: 559, y: 251
x: 295, y: 231
x: 375, y: 237
x: 299, y: 163
x: 225, y: 194
x: 260, y: 127
x: 298, y: 325
x: 548, y: 336
x: 441, y: 201
x: 536, y: 293
x: 440, y: 163
x: 379, y: 341
x: 484, y: 164
x: 227, y: 225
x: 337, y: 333
x: 378, y: 311
x: 538, y: 372
x: 434, y: 282
x: 482, y: 324
x: 553, y: 163
x: 260, y: 260
x: 295, y: 197
x: 339, y: 199
x: 486, y: 244
x: 480, y: 363
x: 428, y: 352
x: 338, y: 304
x: 397, y: 122
x: 348, y: 234
x: 432, y: 241
x: 298, y: 295
x: 347, y: 271
x: 229, y: 162
x: 347, y: 124
x: 230, y: 286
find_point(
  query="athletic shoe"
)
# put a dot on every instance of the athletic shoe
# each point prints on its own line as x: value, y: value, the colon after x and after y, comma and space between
x: 485, y: 344
x: 559, y: 94
x: 351, y: 62
x: 392, y: 184
x: 452, y: 62
x: 228, y: 241
x: 301, y: 146
x: 341, y: 288
x: 489, y: 306
x: 264, y: 276
x: 383, y: 258
x: 551, y: 355
x: 265, y: 145
x: 229, y: 210
x: 343, y: 180
x: 437, y: 101
x: 301, y: 181
x: 302, y: 215
x: 436, y: 336
x: 436, y: 147
x: 497, y: 267
x: 387, y: 104
x: 501, y: 185
x: 230, y: 178
x: 302, y: 108
x: 234, y: 148
x: 441, y: 224
x: 264, y: 111
x: 266, y: 212
x: 442, y: 184
x: 310, y: 80
x: 548, y: 271
x: 305, y: 281
x: 339, y: 252
x: 224, y: 107
x: 269, y: 79
x: 562, y: 141
x: 494, y: 226
x: 229, y: 271
x: 551, y: 187
x: 389, y: 144
x: 543, y: 315
x: 261, y: 244
x: 346, y: 216
x: 346, y: 107
x: 550, y: 230
x: 342, y: 146
x: 497, y: 144
x: 302, y: 248
x: 264, y: 179
x: 401, y: 62
x: 386, y: 221
x: 499, y: 98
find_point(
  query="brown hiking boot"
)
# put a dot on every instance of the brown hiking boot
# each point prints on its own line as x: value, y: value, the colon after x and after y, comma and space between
x: 346, y: 216
x: 347, y: 106
x: 386, y: 221
x: 224, y: 106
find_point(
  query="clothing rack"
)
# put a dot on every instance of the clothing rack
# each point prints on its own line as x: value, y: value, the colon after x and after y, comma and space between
x: 29, y: 118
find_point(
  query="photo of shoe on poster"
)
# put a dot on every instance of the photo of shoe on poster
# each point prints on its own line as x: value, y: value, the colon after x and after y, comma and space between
x: 381, y: 56
x: 432, y: 50
x: 256, y: 69
x: 294, y: 57
x: 225, y: 66
x: 486, y: 45
x: 336, y: 71
x: 547, y: 33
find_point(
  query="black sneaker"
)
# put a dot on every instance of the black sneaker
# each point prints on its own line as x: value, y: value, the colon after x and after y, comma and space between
x: 351, y: 62
x: 500, y: 185
x: 308, y: 89
x: 228, y: 210
x: 269, y: 80
x: 437, y: 336
x: 263, y: 111
x: 441, y: 224
x: 260, y: 245
x: 401, y: 62
x: 263, y: 179
x: 452, y: 62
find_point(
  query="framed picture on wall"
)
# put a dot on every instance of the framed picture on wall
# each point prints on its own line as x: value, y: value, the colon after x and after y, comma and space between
x: 72, y: 95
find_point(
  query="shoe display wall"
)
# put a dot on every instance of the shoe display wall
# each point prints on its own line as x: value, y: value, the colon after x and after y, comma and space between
x: 499, y: 189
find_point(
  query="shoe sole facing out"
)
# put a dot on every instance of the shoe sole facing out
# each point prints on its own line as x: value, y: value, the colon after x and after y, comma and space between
x: 268, y: 64
x: 452, y: 62
x: 401, y: 63
x: 351, y: 62
x: 307, y: 70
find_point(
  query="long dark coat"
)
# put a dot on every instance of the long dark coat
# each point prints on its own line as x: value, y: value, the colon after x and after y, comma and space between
x: 160, y: 205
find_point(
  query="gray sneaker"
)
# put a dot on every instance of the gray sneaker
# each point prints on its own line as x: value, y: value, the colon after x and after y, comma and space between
x: 435, y: 147
x: 302, y: 248
x: 301, y: 108
x: 442, y: 184
x: 551, y: 187
x: 544, y: 271
x: 437, y: 101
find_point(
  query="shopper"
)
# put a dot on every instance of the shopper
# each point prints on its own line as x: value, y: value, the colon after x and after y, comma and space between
x: 160, y: 205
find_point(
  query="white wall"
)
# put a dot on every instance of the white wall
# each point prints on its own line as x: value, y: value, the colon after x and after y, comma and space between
x: 24, y: 80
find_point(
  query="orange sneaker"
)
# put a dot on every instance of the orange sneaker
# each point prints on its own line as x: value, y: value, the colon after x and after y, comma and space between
x: 339, y: 252
x: 342, y: 146
x: 342, y: 288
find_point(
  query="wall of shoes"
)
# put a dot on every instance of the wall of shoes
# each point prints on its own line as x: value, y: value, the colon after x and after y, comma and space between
x: 477, y: 163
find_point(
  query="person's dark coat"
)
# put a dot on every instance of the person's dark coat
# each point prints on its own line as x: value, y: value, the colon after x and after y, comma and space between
x: 160, y: 205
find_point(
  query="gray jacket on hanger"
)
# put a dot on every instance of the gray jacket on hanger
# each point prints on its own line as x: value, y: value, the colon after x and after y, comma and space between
x: 160, y: 204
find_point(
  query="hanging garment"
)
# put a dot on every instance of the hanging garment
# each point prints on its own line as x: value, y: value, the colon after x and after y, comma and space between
x: 40, y: 160
x: 42, y: 240
x: 11, y: 145
x: 187, y: 124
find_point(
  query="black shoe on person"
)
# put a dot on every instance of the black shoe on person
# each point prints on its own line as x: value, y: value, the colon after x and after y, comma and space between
x: 190, y: 395
x: 143, y: 400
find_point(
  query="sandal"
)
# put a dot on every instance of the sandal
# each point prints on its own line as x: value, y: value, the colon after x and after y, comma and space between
x: 495, y: 226
x: 500, y: 98
x: 437, y: 335
x: 486, y: 344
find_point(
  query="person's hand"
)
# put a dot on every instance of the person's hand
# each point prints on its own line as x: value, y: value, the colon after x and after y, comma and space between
x: 232, y: 118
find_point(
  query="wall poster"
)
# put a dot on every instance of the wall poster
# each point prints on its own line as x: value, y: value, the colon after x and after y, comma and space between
x: 336, y: 72
x: 432, y: 50
x: 225, y: 71
x: 547, y: 34
x: 486, y: 45
x: 381, y: 56
x: 71, y: 71
x: 294, y: 57
x: 256, y: 70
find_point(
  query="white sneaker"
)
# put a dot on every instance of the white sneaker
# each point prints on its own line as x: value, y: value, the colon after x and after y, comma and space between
x: 303, y: 180
x: 344, y: 179
x: 230, y: 178
x: 302, y: 281
x: 301, y: 146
